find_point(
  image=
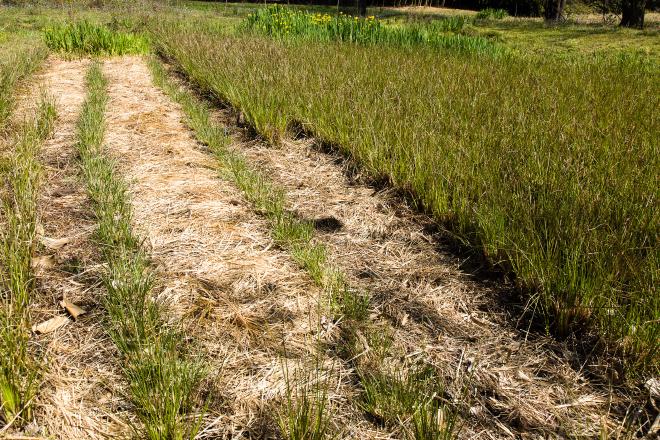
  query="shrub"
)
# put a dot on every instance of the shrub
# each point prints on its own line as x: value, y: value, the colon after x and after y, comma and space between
x: 491, y: 14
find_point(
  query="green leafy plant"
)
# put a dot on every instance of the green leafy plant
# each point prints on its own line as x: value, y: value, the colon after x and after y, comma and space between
x: 285, y: 23
x: 87, y: 38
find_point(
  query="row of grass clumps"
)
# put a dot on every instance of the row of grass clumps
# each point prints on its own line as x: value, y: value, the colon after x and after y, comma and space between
x: 163, y: 380
x: 93, y: 39
x: 407, y: 402
x: 286, y: 23
x: 19, y: 63
x: 20, y: 365
x: 522, y: 160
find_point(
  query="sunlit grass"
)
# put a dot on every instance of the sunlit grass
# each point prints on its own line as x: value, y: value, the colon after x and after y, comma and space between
x: 288, y: 23
x: 545, y: 167
x: 17, y: 62
x: 87, y: 38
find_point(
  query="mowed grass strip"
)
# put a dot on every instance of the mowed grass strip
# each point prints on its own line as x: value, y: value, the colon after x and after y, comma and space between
x: 547, y: 167
x: 20, y: 366
x: 406, y: 403
x: 163, y: 378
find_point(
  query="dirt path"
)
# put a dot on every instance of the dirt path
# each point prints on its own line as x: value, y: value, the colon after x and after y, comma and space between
x: 440, y: 313
x: 244, y: 303
x: 80, y: 395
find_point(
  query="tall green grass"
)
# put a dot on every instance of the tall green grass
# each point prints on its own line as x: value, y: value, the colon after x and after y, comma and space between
x: 87, y: 38
x: 287, y: 23
x: 546, y: 167
x: 491, y: 14
x: 19, y: 368
x: 17, y: 63
x: 163, y: 380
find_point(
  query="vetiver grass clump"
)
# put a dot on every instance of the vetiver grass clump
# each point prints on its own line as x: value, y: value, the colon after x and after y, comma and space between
x: 546, y: 167
x: 162, y: 380
x: 286, y: 23
x: 307, y: 413
x: 19, y: 368
x: 87, y: 38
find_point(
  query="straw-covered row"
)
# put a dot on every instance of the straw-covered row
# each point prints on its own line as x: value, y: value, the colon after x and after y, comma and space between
x: 162, y: 379
x: 406, y: 402
x: 20, y: 365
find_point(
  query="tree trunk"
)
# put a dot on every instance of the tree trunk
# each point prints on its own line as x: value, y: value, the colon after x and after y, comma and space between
x: 554, y: 10
x: 632, y: 13
x: 362, y: 7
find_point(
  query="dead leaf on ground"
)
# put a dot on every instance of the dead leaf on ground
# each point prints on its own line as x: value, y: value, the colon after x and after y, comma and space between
x: 74, y: 310
x: 43, y: 262
x: 50, y: 325
x: 55, y: 243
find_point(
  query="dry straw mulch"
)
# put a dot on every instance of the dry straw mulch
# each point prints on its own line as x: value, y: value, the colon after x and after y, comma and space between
x: 80, y: 395
x: 519, y: 385
x: 245, y: 305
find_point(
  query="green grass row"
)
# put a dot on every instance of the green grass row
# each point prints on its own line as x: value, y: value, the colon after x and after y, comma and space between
x: 287, y: 23
x: 17, y: 62
x: 408, y: 402
x: 546, y: 167
x: 84, y: 37
x: 20, y: 366
x: 163, y: 379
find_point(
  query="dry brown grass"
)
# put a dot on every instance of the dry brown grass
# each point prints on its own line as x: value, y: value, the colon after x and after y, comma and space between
x: 80, y: 396
x: 246, y: 305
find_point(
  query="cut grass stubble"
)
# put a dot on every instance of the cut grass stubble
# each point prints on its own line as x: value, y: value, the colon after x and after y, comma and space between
x: 162, y: 380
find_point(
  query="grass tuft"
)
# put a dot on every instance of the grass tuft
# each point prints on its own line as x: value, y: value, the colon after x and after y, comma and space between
x: 412, y: 400
x: 19, y: 63
x: 306, y: 414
